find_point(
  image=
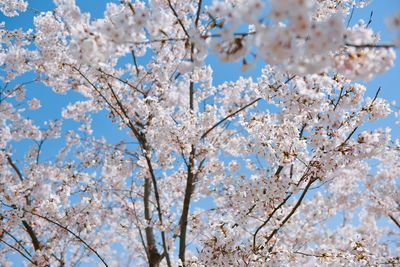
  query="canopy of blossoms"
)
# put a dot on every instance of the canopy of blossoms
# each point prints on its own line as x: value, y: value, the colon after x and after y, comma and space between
x: 273, y: 170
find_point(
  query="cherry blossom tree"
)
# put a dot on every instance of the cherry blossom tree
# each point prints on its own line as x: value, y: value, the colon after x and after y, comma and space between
x: 274, y: 170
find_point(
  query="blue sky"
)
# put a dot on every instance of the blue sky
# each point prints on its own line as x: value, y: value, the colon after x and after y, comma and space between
x: 389, y: 81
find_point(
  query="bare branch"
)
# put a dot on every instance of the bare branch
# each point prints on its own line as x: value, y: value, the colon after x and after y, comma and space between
x: 348, y: 137
x: 153, y: 255
x: 370, y: 19
x: 394, y: 220
x: 135, y: 61
x: 351, y: 16
x: 384, y: 46
x: 196, y: 22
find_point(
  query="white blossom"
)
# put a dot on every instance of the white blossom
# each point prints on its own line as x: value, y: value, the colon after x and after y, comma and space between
x: 155, y: 161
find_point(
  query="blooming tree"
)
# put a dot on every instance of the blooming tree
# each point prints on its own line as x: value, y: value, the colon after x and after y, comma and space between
x: 271, y: 170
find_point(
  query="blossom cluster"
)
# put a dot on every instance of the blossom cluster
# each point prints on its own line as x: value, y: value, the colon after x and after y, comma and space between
x: 153, y: 162
x: 11, y: 8
x: 299, y: 39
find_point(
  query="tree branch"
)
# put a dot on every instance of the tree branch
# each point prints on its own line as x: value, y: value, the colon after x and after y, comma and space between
x: 160, y: 217
x: 32, y: 235
x: 123, y: 81
x: 12, y: 164
x: 135, y: 62
x: 196, y: 22
x: 267, y: 220
x: 186, y: 205
x: 385, y: 46
x: 312, y: 180
x: 177, y: 17
x: 339, y: 98
x: 154, y: 254
x: 69, y: 231
x: 97, y: 90
x: 204, y: 135
x: 19, y: 251
x: 394, y: 220
x: 17, y: 241
x: 28, y: 228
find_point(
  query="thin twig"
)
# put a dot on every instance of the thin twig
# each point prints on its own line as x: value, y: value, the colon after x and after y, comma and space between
x: 311, y: 181
x: 370, y: 19
x: 386, y: 46
x: 351, y: 16
x: 310, y: 255
x: 376, y: 96
x: 268, y: 219
x: 185, y: 39
x: 69, y: 231
x: 97, y: 90
x: 17, y: 241
x: 196, y: 22
x: 28, y: 228
x: 349, y: 136
x: 394, y: 220
x: 239, y: 110
x: 135, y: 61
x: 339, y: 98
x: 204, y: 135
x: 177, y: 17
x: 19, y: 251
x: 12, y: 164
x: 123, y: 81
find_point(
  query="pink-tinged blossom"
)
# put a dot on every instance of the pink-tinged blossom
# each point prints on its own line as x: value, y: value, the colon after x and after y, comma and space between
x: 34, y: 103
x: 11, y: 8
